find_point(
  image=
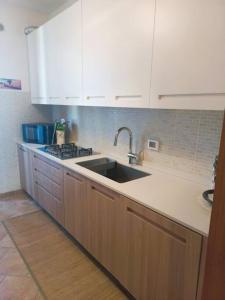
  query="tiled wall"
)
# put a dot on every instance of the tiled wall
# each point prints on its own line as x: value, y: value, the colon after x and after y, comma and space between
x: 15, y: 108
x: 189, y: 139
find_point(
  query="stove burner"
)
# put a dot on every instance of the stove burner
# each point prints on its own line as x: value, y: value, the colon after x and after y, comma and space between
x: 67, y: 151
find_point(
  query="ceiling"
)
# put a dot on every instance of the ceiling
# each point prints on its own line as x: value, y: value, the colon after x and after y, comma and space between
x: 45, y: 6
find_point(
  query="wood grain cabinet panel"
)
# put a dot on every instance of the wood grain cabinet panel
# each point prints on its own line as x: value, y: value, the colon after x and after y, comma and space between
x: 76, y: 208
x: 162, y: 257
x: 106, y: 228
x: 49, y: 168
x: 51, y: 204
x: 152, y: 256
x: 48, y: 186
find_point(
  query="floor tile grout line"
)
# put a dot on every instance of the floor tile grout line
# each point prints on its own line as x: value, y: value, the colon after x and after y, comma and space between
x: 25, y: 262
x: 21, y: 215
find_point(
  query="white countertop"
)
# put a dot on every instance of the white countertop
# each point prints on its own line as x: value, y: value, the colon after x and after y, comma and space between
x: 173, y: 194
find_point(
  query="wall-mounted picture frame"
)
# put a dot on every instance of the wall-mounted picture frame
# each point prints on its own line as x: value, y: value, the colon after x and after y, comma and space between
x: 10, y: 84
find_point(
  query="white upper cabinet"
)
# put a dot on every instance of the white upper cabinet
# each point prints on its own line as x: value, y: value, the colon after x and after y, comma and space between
x: 128, y: 53
x: 62, y: 37
x: 36, y: 54
x: 189, y: 55
x: 58, y: 43
x: 117, y: 52
x: 70, y: 44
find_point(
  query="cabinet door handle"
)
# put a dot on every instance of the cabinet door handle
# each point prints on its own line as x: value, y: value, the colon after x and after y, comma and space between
x: 95, y: 97
x: 161, y: 96
x: 101, y: 192
x: 70, y: 175
x: 68, y: 98
x: 128, y: 97
x: 156, y: 225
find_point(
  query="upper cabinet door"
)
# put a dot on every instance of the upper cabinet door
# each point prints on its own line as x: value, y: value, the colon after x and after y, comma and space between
x: 70, y: 51
x: 62, y: 36
x: 36, y: 56
x: 53, y: 60
x: 117, y: 45
x: 189, y: 62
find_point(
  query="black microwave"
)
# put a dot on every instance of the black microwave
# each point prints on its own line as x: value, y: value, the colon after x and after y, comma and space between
x: 38, y: 133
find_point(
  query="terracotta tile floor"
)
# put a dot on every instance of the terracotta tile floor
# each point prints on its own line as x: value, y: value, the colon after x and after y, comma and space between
x: 15, y: 279
x: 15, y: 204
x: 37, y: 261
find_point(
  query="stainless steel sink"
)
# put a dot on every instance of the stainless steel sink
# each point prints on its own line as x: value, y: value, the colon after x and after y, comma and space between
x: 112, y: 169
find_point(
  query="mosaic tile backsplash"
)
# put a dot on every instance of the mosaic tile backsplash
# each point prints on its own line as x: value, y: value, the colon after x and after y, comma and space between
x: 189, y: 140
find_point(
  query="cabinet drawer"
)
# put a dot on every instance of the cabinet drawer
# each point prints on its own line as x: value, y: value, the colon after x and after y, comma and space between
x: 50, y: 169
x: 53, y: 188
x: 46, y: 201
x: 54, y: 207
x: 35, y: 191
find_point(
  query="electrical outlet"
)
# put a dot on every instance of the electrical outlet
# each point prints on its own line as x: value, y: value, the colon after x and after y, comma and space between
x: 153, y: 145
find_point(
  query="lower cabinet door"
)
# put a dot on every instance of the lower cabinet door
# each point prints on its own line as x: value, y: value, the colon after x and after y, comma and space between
x: 75, y: 201
x: 162, y: 257
x: 106, y: 228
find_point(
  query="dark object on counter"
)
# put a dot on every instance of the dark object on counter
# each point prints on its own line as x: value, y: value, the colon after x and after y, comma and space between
x: 206, y: 195
x: 38, y: 133
x: 67, y: 151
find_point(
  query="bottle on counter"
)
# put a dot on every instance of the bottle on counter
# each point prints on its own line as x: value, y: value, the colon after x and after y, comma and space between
x: 60, y: 129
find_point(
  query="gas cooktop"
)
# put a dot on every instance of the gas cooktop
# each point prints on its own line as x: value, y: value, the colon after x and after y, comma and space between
x: 67, y: 151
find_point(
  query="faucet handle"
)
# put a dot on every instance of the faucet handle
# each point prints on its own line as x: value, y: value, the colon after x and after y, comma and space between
x: 133, y: 158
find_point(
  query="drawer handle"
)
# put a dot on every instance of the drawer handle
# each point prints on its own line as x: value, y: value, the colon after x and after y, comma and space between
x: 156, y: 225
x: 57, y: 168
x: 22, y: 149
x: 70, y: 175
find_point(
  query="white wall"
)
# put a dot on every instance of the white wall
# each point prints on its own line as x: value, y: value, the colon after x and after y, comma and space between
x: 13, y: 45
x: 15, y: 106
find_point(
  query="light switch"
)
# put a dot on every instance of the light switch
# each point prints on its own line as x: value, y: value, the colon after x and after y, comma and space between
x: 153, y: 145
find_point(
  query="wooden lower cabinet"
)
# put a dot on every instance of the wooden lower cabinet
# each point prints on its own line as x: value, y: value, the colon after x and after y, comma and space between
x: 162, y: 257
x: 106, y: 228
x: 76, y: 207
x: 51, y: 204
x: 153, y: 257
x: 48, y: 186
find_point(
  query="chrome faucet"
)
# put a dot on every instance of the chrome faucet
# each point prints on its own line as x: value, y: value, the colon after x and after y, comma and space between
x: 132, y: 156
